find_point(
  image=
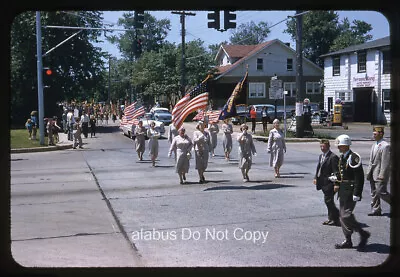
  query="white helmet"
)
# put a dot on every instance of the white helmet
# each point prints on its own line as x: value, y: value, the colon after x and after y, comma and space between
x: 343, y: 140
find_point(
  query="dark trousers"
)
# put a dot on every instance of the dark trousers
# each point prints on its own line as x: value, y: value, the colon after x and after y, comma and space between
x: 333, y: 211
x: 92, y: 130
x: 70, y: 134
x: 265, y: 124
x: 253, y: 125
x: 85, y: 129
x: 347, y: 218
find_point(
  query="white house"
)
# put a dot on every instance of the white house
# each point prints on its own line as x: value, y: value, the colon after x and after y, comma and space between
x: 360, y: 76
x: 264, y: 61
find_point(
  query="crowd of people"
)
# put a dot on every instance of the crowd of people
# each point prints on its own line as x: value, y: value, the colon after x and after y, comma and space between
x: 341, y: 174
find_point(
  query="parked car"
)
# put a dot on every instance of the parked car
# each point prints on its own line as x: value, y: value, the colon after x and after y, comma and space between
x: 163, y: 115
x: 128, y: 129
x: 244, y: 113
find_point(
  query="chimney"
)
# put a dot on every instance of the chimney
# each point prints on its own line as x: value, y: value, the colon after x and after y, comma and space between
x: 287, y: 44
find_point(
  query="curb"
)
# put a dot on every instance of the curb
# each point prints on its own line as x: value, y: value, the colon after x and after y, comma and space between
x: 265, y: 139
x: 41, y: 149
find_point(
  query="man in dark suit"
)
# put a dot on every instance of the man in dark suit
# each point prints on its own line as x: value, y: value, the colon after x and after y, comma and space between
x: 327, y: 164
x: 349, y: 182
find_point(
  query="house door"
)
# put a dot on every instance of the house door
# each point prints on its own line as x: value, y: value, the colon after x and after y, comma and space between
x: 362, y: 104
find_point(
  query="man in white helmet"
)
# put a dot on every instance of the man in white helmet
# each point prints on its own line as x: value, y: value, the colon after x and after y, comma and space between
x: 349, y: 182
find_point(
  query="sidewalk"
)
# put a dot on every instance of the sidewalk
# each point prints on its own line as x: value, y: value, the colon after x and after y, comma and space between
x: 63, y: 143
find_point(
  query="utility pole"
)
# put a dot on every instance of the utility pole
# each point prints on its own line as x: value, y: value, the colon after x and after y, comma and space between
x: 109, y: 79
x: 40, y: 77
x: 299, y: 76
x: 183, y: 14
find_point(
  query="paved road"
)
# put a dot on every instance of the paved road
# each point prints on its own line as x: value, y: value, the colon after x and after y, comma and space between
x: 99, y: 206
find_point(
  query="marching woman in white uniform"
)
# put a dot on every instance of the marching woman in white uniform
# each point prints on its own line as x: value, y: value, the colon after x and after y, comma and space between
x: 181, y: 145
x: 246, y: 150
x: 227, y: 130
x: 172, y: 133
x: 276, y: 146
x: 213, y: 129
x: 153, y: 136
x: 140, y: 140
x: 202, y: 146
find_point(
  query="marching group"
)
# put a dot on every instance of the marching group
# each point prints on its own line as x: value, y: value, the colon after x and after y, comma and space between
x: 341, y: 174
x: 204, y: 142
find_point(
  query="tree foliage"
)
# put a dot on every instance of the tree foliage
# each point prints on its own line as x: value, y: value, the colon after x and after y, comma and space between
x: 250, y: 33
x: 77, y: 65
x: 322, y: 32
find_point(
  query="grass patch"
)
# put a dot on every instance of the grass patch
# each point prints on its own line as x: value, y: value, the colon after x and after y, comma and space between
x: 19, y: 138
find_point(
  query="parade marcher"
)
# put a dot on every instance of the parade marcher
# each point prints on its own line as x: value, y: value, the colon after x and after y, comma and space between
x: 327, y: 165
x: 77, y: 133
x: 213, y: 129
x: 253, y: 116
x: 35, y: 124
x: 349, y: 183
x: 172, y: 133
x: 227, y: 130
x: 153, y: 136
x: 29, y: 127
x: 85, y: 124
x: 140, y: 139
x: 202, y: 146
x: 92, y: 123
x: 246, y: 150
x: 181, y: 145
x: 276, y: 146
x: 378, y: 171
x: 264, y: 118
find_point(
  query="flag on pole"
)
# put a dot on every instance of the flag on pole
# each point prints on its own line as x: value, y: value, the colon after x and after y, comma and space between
x: 229, y: 109
x: 136, y: 113
x: 196, y: 99
x: 199, y: 115
x: 213, y: 116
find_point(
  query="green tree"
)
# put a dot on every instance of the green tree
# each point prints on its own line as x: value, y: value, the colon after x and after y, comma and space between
x: 152, y: 35
x: 77, y: 65
x: 250, y: 33
x: 323, y: 33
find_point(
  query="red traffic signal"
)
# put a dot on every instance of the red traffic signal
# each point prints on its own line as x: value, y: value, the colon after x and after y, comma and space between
x: 48, y: 72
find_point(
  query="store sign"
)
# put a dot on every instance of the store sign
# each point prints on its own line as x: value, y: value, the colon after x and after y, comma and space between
x: 364, y: 82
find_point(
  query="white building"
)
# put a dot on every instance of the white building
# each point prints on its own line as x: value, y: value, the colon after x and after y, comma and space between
x: 360, y: 76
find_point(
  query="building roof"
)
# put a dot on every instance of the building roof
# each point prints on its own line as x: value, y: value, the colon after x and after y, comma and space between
x: 382, y: 42
x: 244, y: 52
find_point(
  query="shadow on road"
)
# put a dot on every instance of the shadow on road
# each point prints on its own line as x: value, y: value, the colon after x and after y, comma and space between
x: 257, y: 187
x: 376, y: 247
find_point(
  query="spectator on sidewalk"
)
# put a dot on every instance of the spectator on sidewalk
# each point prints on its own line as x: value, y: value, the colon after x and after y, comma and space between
x: 253, y: 116
x: 378, y: 171
x: 29, y: 127
x: 56, y: 129
x: 35, y: 124
x: 327, y: 165
x: 70, y: 123
x: 92, y: 123
x: 264, y: 118
x: 85, y: 123
x: 49, y: 128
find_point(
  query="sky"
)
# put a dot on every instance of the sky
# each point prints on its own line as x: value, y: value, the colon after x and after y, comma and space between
x: 196, y: 26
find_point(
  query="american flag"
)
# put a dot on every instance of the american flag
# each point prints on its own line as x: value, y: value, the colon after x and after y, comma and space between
x: 192, y: 101
x: 213, y: 116
x: 136, y: 113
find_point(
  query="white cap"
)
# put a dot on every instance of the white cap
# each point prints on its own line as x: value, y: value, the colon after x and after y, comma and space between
x: 343, y: 140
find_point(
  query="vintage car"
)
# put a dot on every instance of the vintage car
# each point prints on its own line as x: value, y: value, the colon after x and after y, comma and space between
x: 163, y: 115
x: 128, y: 129
x: 244, y: 113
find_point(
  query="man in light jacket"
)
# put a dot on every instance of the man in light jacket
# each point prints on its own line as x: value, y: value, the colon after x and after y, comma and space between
x: 378, y: 171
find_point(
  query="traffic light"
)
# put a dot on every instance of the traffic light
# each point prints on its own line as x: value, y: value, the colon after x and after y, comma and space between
x: 228, y: 17
x: 137, y: 47
x: 47, y: 74
x: 138, y: 19
x: 214, y: 16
